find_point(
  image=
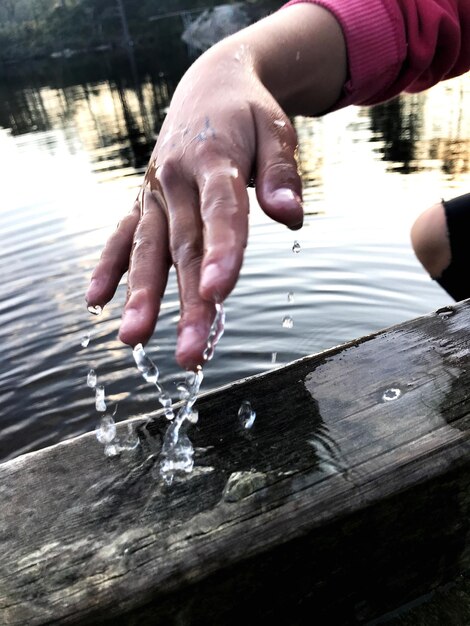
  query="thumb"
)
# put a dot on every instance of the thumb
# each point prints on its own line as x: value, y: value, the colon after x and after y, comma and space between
x: 278, y: 184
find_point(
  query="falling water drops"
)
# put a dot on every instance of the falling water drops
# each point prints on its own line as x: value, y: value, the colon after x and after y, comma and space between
x: 290, y: 297
x: 85, y: 341
x: 95, y: 310
x: 215, y: 333
x: 91, y: 379
x: 145, y: 365
x: 287, y: 322
x: 296, y: 247
x: 106, y: 430
x: 100, y: 403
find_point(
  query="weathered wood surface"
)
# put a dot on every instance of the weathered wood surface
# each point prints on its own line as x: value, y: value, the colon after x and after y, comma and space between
x: 348, y: 504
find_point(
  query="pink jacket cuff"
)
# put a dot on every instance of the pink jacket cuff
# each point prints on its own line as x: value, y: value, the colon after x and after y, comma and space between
x: 375, y: 43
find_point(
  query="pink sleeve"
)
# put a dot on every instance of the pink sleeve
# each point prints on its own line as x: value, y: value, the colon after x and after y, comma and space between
x: 400, y: 45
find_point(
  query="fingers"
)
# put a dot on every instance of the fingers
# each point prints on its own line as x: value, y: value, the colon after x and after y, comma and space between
x: 224, y: 211
x: 278, y: 184
x: 148, y: 273
x: 186, y: 245
x: 114, y: 260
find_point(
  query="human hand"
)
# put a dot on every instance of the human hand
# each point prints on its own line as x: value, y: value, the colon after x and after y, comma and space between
x: 223, y: 127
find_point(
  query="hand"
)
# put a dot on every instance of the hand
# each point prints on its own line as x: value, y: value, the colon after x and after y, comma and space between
x: 223, y: 127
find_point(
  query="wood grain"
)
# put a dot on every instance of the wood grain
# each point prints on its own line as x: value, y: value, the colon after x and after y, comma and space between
x: 341, y: 504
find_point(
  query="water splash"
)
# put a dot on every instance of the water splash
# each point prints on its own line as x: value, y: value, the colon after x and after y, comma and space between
x: 150, y: 373
x: 106, y: 429
x: 215, y: 333
x: 85, y: 341
x: 273, y: 357
x: 246, y: 415
x: 177, y: 453
x: 131, y: 441
x: 296, y: 247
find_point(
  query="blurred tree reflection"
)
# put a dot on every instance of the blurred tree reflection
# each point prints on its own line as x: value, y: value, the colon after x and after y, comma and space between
x: 38, y: 28
x: 398, y: 124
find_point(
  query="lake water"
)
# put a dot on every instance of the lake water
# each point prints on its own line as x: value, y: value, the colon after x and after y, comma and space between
x: 73, y: 149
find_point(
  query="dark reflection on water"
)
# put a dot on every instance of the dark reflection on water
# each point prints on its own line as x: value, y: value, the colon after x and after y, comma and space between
x: 399, y: 123
x: 74, y: 141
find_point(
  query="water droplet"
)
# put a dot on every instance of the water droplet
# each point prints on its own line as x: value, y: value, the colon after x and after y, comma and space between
x: 183, y: 391
x: 85, y: 341
x: 145, y: 365
x: 215, y: 333
x: 279, y: 123
x: 164, y: 400
x: 95, y: 310
x: 169, y: 414
x: 193, y: 390
x: 389, y: 395
x: 242, y: 484
x: 290, y: 297
x: 100, y: 403
x: 296, y: 247
x: 193, y: 417
x: 91, y: 379
x: 287, y: 322
x: 246, y: 415
x: 106, y: 429
x: 273, y: 357
x: 445, y: 312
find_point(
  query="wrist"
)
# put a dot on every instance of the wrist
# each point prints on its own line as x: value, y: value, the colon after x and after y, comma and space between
x: 299, y: 54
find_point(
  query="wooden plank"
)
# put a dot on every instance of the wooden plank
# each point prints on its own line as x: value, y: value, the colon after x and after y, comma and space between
x: 348, y: 497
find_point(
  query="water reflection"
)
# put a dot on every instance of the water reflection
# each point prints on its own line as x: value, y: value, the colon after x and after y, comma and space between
x: 73, y: 146
x: 398, y: 125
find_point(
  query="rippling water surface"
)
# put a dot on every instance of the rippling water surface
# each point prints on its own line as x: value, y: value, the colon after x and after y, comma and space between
x: 72, y: 157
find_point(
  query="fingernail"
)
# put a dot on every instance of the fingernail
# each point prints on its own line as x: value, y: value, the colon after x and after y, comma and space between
x: 210, y: 276
x: 131, y: 319
x: 91, y: 287
x: 286, y: 196
x: 191, y: 343
x: 191, y: 336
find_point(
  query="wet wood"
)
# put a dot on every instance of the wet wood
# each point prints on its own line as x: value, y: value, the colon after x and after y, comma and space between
x: 348, y: 498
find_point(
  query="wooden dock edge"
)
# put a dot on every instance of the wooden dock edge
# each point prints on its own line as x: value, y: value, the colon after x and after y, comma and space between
x: 348, y: 498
